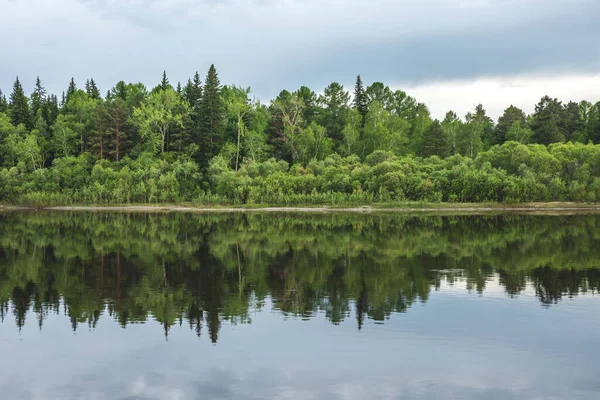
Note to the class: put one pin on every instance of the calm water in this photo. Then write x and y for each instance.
(335, 306)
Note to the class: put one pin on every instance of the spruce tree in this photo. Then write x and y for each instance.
(70, 91)
(210, 117)
(164, 84)
(51, 109)
(435, 141)
(19, 106)
(38, 98)
(178, 87)
(192, 94)
(360, 98)
(3, 103)
(93, 91)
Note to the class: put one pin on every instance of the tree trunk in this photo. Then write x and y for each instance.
(117, 140)
(237, 156)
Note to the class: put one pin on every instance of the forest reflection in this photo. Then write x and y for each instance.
(206, 269)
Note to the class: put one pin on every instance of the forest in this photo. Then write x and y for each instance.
(215, 269)
(207, 143)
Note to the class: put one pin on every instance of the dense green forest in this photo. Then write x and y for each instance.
(210, 269)
(208, 143)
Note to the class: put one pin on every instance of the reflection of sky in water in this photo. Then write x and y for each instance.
(458, 345)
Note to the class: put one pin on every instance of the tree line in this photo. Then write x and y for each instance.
(209, 270)
(206, 142)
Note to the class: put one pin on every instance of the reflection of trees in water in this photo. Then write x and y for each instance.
(208, 268)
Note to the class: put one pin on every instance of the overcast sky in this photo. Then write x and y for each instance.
(450, 54)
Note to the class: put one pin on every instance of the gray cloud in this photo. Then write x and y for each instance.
(271, 45)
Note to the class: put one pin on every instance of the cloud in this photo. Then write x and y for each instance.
(271, 45)
(497, 93)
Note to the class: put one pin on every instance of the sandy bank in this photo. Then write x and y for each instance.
(438, 208)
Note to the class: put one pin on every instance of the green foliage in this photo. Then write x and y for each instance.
(211, 112)
(18, 106)
(334, 151)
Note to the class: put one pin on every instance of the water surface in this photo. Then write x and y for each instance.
(331, 306)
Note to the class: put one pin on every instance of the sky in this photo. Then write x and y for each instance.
(449, 54)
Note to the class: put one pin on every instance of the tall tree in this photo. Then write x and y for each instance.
(38, 98)
(164, 83)
(452, 125)
(192, 94)
(547, 124)
(19, 106)
(238, 106)
(70, 91)
(335, 102)
(287, 111)
(420, 123)
(572, 123)
(436, 141)
(377, 91)
(310, 100)
(470, 141)
(486, 123)
(3, 103)
(51, 110)
(92, 90)
(210, 124)
(117, 114)
(157, 116)
(360, 98)
(506, 121)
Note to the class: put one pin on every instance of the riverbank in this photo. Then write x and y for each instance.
(376, 208)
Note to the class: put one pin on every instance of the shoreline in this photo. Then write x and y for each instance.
(425, 208)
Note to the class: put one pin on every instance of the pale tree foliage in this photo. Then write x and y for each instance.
(519, 133)
(23, 147)
(154, 118)
(351, 133)
(290, 112)
(451, 126)
(66, 136)
(384, 131)
(238, 106)
(313, 143)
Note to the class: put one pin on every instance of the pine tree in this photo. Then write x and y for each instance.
(210, 116)
(178, 87)
(70, 91)
(3, 103)
(164, 84)
(38, 98)
(360, 98)
(51, 110)
(19, 106)
(192, 94)
(92, 90)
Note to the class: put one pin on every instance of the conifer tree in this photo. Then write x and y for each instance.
(435, 141)
(38, 98)
(51, 110)
(70, 91)
(3, 103)
(178, 87)
(360, 98)
(164, 84)
(92, 90)
(210, 116)
(19, 106)
(192, 94)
